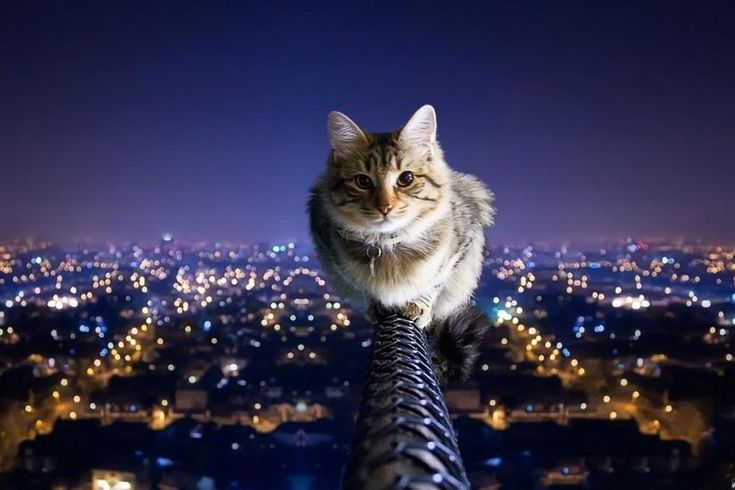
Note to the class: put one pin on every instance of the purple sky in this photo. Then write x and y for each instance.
(124, 120)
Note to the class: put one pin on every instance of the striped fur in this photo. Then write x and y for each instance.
(431, 241)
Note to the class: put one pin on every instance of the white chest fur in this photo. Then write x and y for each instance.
(400, 276)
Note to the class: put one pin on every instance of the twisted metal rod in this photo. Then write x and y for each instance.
(404, 437)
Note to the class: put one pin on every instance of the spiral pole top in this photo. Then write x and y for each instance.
(404, 437)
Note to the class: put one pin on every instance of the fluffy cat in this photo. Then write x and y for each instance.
(398, 231)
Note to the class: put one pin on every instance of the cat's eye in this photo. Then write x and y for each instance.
(405, 179)
(363, 181)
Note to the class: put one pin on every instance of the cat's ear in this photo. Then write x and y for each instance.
(344, 135)
(421, 128)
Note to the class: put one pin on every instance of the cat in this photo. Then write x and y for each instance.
(397, 231)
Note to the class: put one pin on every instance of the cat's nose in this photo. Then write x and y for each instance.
(384, 208)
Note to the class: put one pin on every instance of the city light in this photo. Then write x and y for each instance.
(221, 320)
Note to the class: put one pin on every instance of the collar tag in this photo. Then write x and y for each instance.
(373, 252)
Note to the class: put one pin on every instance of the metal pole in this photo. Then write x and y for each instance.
(404, 437)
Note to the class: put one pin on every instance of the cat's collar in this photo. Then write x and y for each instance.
(379, 240)
(374, 243)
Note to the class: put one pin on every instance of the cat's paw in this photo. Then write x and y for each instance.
(417, 313)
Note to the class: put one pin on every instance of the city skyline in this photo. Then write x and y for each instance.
(237, 366)
(132, 120)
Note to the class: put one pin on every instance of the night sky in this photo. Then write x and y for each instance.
(124, 120)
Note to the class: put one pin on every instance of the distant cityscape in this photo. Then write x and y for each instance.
(220, 365)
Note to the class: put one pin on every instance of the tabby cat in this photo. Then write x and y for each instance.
(398, 231)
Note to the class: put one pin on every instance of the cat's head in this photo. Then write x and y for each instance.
(381, 182)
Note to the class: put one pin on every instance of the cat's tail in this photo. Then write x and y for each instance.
(456, 343)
